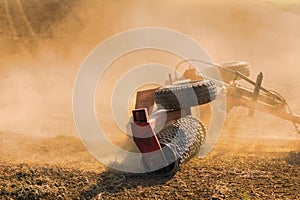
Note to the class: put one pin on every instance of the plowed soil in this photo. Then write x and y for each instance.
(61, 168)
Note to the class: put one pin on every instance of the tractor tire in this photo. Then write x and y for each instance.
(186, 95)
(182, 140)
(227, 70)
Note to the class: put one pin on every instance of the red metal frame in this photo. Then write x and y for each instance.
(146, 140)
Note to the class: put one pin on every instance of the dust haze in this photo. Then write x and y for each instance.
(39, 59)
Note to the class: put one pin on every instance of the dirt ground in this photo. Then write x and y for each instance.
(61, 168)
(42, 45)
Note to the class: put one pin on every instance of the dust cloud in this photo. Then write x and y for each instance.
(38, 72)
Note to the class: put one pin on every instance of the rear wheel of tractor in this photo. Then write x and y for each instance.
(184, 137)
(228, 70)
(180, 96)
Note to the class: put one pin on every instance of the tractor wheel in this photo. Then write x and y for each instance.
(181, 141)
(228, 70)
(186, 95)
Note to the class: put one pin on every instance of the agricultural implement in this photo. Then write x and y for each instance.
(171, 135)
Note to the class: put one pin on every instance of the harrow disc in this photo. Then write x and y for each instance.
(182, 139)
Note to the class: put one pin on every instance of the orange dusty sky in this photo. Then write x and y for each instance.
(40, 57)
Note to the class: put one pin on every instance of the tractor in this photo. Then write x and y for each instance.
(171, 135)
